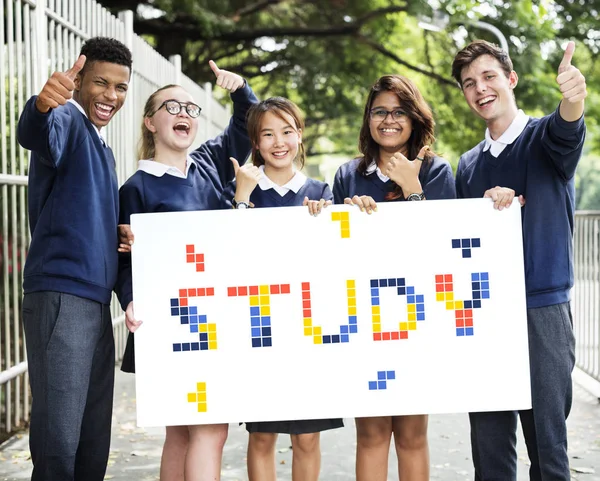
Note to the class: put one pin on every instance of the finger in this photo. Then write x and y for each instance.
(305, 202)
(356, 200)
(422, 152)
(236, 165)
(213, 66)
(370, 204)
(328, 203)
(565, 63)
(320, 206)
(61, 85)
(348, 200)
(522, 200)
(76, 68)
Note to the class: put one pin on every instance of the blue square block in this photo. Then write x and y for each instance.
(401, 291)
(185, 346)
(176, 347)
(344, 329)
(476, 295)
(391, 282)
(256, 342)
(410, 290)
(485, 285)
(267, 342)
(345, 338)
(381, 375)
(401, 281)
(372, 385)
(420, 307)
(353, 328)
(485, 294)
(174, 311)
(460, 331)
(194, 328)
(476, 304)
(204, 346)
(420, 316)
(202, 318)
(484, 276)
(466, 253)
(374, 283)
(193, 310)
(381, 385)
(475, 242)
(266, 321)
(255, 321)
(468, 304)
(420, 298)
(469, 331)
(195, 346)
(391, 375)
(465, 243)
(183, 311)
(327, 339)
(185, 320)
(475, 276)
(374, 301)
(175, 302)
(374, 292)
(455, 243)
(383, 283)
(193, 319)
(475, 286)
(255, 311)
(255, 332)
(352, 319)
(410, 299)
(335, 338)
(204, 336)
(266, 332)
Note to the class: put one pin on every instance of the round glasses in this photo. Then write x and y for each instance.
(380, 115)
(174, 107)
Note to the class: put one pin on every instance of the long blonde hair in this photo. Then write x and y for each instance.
(146, 147)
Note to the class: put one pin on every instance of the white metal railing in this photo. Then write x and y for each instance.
(38, 37)
(586, 293)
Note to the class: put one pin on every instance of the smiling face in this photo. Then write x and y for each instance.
(488, 90)
(101, 89)
(279, 140)
(173, 132)
(393, 132)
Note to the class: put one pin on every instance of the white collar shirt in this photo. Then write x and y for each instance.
(508, 137)
(294, 184)
(373, 168)
(158, 169)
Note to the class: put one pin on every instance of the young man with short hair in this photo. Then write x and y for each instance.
(535, 159)
(71, 266)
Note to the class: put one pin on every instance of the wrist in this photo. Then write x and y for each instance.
(412, 188)
(41, 107)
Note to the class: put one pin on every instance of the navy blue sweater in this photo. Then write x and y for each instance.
(73, 204)
(313, 189)
(540, 164)
(210, 170)
(435, 176)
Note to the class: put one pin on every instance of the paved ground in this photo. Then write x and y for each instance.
(135, 453)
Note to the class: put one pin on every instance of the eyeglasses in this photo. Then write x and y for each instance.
(174, 107)
(380, 115)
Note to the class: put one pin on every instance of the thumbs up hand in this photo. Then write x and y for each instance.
(225, 79)
(247, 178)
(59, 87)
(572, 86)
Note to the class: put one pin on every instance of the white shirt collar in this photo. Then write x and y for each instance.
(373, 168)
(294, 184)
(508, 137)
(100, 132)
(158, 169)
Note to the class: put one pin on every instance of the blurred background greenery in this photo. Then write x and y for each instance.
(325, 54)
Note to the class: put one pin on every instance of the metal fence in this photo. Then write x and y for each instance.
(38, 37)
(586, 293)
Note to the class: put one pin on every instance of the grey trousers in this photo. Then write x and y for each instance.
(493, 434)
(70, 352)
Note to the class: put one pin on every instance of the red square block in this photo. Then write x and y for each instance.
(210, 291)
(192, 292)
(403, 334)
(395, 335)
(182, 292)
(190, 258)
(469, 322)
(189, 248)
(439, 278)
(232, 291)
(253, 290)
(386, 336)
(377, 336)
(306, 304)
(306, 286)
(449, 287)
(439, 288)
(460, 323)
(183, 301)
(306, 295)
(448, 278)
(243, 291)
(306, 313)
(200, 267)
(460, 314)
(201, 292)
(274, 289)
(199, 257)
(285, 288)
(469, 313)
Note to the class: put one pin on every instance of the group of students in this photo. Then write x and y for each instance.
(72, 266)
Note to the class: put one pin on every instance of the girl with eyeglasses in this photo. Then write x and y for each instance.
(396, 164)
(169, 179)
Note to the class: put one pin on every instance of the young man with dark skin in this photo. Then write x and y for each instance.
(535, 159)
(71, 266)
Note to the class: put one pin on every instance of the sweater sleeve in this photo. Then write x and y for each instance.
(327, 194)
(46, 134)
(233, 141)
(440, 181)
(563, 142)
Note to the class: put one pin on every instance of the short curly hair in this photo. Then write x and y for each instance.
(105, 49)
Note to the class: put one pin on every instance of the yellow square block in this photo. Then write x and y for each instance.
(449, 296)
(352, 311)
(307, 322)
(336, 216)
(411, 308)
(351, 292)
(264, 300)
(412, 316)
(254, 300)
(308, 331)
(212, 345)
(192, 397)
(459, 304)
(350, 284)
(404, 326)
(200, 386)
(440, 296)
(376, 318)
(201, 397)
(317, 330)
(375, 310)
(345, 233)
(212, 336)
(263, 289)
(412, 326)
(203, 327)
(352, 302)
(265, 311)
(202, 407)
(345, 215)
(318, 339)
(212, 328)
(376, 327)
(450, 305)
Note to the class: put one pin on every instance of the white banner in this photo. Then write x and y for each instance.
(272, 314)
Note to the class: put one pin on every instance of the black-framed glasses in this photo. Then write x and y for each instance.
(174, 107)
(380, 115)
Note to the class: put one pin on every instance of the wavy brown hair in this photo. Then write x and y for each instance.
(277, 106)
(423, 125)
(146, 148)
